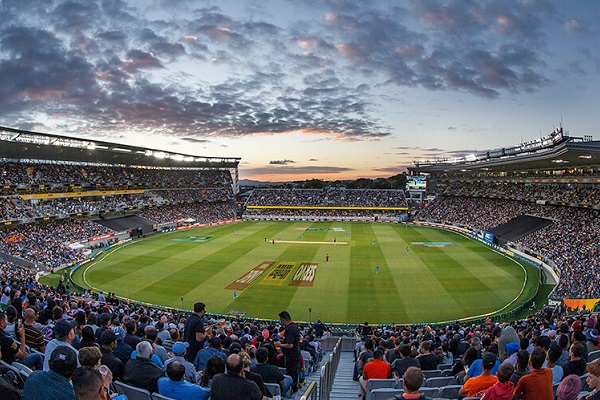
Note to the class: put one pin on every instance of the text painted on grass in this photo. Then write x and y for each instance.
(245, 281)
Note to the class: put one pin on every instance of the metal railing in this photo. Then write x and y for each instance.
(328, 371)
(311, 392)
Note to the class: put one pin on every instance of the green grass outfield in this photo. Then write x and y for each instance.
(444, 276)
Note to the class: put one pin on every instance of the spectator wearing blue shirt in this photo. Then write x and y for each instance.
(213, 349)
(175, 387)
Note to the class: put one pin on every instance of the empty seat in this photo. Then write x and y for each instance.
(449, 392)
(440, 381)
(132, 392)
(434, 373)
(385, 393)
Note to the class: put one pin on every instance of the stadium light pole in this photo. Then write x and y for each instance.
(182, 302)
(310, 315)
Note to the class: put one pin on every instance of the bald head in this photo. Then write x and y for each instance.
(29, 315)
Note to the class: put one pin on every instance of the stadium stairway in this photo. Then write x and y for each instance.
(343, 385)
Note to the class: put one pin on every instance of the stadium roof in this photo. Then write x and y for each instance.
(555, 151)
(17, 144)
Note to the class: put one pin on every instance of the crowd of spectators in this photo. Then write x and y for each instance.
(16, 208)
(141, 346)
(319, 214)
(203, 213)
(572, 241)
(332, 197)
(47, 243)
(23, 175)
(582, 194)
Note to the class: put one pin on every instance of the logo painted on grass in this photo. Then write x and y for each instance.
(305, 276)
(279, 273)
(432, 244)
(194, 239)
(245, 281)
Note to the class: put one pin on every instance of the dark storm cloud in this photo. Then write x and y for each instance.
(483, 48)
(194, 140)
(107, 64)
(282, 162)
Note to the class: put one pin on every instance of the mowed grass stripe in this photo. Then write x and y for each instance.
(470, 292)
(347, 290)
(195, 278)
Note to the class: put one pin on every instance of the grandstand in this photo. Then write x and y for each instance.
(50, 182)
(63, 199)
(540, 197)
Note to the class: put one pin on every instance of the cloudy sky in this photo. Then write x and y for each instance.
(302, 89)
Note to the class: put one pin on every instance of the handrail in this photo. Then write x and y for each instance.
(311, 392)
(328, 371)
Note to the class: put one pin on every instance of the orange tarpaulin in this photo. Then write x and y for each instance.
(578, 303)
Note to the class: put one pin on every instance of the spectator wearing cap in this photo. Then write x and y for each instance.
(174, 386)
(412, 379)
(123, 350)
(53, 384)
(476, 386)
(179, 350)
(512, 348)
(503, 389)
(576, 364)
(141, 372)
(213, 349)
(537, 384)
(476, 368)
(591, 336)
(64, 337)
(109, 343)
(569, 388)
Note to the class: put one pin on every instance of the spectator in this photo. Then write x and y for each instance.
(64, 337)
(233, 385)
(109, 343)
(33, 337)
(503, 389)
(141, 371)
(477, 385)
(194, 332)
(576, 364)
(593, 380)
(11, 351)
(569, 388)
(213, 349)
(411, 382)
(53, 384)
(214, 366)
(179, 349)
(270, 373)
(427, 359)
(537, 384)
(290, 347)
(176, 387)
(376, 369)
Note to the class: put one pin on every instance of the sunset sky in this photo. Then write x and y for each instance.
(303, 89)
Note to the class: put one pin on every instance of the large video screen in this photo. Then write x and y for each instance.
(416, 182)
